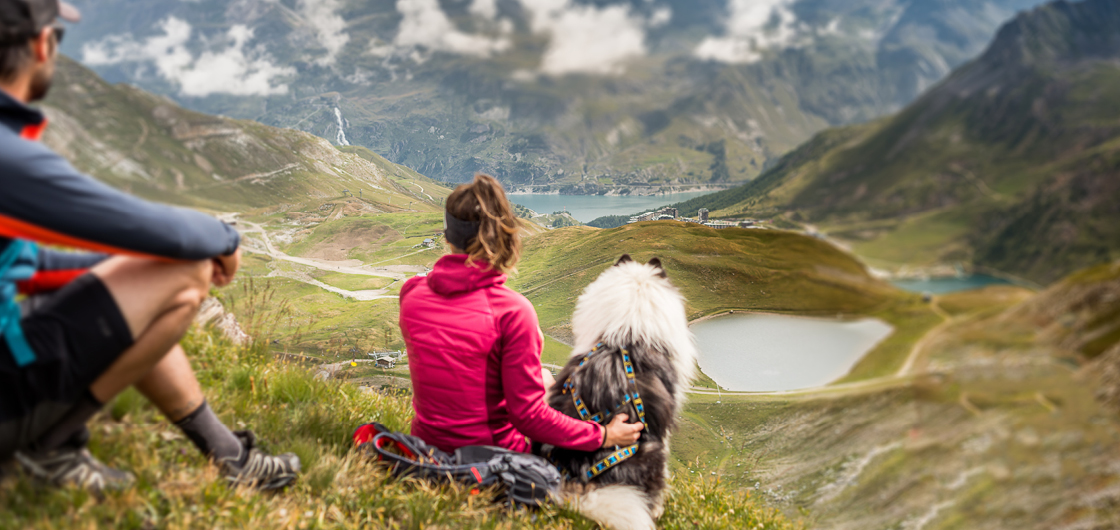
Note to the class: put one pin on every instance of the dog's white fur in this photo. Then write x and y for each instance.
(630, 303)
(616, 507)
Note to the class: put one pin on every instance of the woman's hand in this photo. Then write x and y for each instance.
(618, 432)
(546, 377)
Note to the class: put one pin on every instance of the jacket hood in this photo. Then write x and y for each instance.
(452, 276)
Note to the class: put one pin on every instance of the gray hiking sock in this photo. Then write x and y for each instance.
(70, 430)
(209, 434)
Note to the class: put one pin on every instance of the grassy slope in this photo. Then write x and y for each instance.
(1080, 313)
(963, 448)
(291, 411)
(386, 239)
(724, 270)
(307, 320)
(716, 270)
(1011, 162)
(149, 146)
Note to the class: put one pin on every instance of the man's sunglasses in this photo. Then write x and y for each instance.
(59, 32)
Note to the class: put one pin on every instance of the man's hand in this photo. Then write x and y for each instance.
(225, 267)
(621, 433)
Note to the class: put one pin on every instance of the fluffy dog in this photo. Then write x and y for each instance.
(633, 307)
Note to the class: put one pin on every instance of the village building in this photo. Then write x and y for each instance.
(720, 225)
(664, 214)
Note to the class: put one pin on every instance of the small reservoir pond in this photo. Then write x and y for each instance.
(587, 208)
(950, 284)
(756, 353)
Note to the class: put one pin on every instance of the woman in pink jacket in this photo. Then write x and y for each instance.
(474, 344)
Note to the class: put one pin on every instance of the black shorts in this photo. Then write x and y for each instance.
(76, 333)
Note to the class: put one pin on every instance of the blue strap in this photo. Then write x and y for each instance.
(13, 335)
(9, 309)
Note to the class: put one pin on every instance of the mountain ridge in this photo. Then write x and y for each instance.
(953, 177)
(183, 157)
(450, 115)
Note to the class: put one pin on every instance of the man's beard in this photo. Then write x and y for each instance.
(41, 84)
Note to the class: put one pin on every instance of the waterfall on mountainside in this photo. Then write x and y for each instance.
(341, 138)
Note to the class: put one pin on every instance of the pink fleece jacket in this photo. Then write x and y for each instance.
(474, 353)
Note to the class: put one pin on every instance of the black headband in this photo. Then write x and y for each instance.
(459, 232)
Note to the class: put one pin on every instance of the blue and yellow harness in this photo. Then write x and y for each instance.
(632, 397)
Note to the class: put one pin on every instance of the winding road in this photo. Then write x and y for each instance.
(318, 264)
(271, 251)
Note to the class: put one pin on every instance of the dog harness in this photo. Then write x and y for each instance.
(632, 397)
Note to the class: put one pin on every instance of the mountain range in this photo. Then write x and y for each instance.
(576, 96)
(149, 146)
(1012, 163)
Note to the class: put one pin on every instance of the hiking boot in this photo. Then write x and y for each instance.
(73, 466)
(257, 469)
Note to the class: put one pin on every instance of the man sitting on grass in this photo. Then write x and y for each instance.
(94, 325)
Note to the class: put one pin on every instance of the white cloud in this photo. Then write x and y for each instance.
(230, 70)
(662, 16)
(485, 8)
(585, 38)
(425, 26)
(753, 26)
(330, 28)
(582, 38)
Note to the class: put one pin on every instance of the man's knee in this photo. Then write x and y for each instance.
(145, 289)
(196, 284)
(200, 273)
(169, 275)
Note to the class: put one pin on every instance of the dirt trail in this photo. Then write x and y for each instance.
(362, 296)
(920, 347)
(318, 264)
(422, 192)
(252, 176)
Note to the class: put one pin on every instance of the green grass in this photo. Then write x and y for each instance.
(716, 270)
(382, 239)
(986, 299)
(923, 240)
(555, 352)
(352, 282)
(291, 411)
(911, 322)
(307, 320)
(722, 270)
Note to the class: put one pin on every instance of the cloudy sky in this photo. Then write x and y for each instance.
(581, 39)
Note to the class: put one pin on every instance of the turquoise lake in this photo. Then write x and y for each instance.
(586, 208)
(951, 284)
(758, 353)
